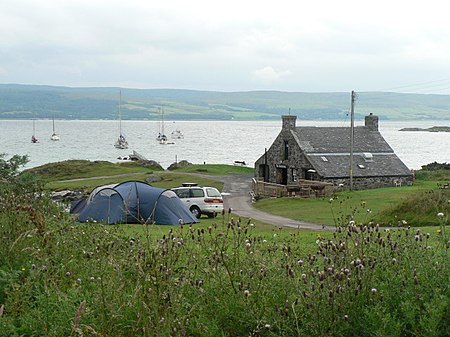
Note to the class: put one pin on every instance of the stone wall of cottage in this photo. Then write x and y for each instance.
(296, 163)
(365, 183)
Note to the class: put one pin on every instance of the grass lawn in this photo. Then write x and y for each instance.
(72, 169)
(168, 180)
(362, 206)
(215, 169)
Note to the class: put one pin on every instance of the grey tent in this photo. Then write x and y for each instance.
(133, 202)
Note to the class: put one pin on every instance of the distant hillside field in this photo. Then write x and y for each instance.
(38, 101)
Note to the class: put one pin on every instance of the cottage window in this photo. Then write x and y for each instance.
(286, 150)
(368, 157)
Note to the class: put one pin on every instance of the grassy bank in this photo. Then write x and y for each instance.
(417, 204)
(215, 169)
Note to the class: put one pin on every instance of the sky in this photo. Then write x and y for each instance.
(286, 45)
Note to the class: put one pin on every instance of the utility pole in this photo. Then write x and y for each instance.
(352, 137)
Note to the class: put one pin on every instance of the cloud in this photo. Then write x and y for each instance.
(268, 75)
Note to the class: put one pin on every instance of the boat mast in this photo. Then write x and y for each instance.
(352, 137)
(120, 112)
(53, 122)
(162, 120)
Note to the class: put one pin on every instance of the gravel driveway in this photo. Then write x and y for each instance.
(237, 196)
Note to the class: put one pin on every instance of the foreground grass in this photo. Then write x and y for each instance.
(222, 277)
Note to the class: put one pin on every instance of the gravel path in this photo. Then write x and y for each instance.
(237, 196)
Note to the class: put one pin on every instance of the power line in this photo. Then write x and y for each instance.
(435, 85)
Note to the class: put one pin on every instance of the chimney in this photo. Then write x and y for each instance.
(371, 121)
(288, 122)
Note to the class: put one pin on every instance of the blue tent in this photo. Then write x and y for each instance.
(134, 202)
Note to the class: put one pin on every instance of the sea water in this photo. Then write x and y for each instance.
(211, 142)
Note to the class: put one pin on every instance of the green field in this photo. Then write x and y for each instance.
(417, 204)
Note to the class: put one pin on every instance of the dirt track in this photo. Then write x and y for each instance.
(240, 201)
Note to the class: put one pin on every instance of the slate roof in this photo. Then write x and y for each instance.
(337, 140)
(333, 144)
(337, 166)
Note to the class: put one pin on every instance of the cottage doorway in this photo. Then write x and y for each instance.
(264, 172)
(282, 176)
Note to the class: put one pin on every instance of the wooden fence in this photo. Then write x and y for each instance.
(302, 188)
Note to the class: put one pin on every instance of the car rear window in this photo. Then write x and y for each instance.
(182, 193)
(213, 192)
(197, 193)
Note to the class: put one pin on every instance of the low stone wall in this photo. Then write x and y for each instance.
(372, 182)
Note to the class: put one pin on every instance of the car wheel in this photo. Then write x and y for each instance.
(196, 212)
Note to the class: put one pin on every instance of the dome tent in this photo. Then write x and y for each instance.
(134, 202)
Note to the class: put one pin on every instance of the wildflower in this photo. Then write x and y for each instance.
(267, 326)
(68, 273)
(23, 268)
(246, 293)
(300, 262)
(252, 225)
(346, 317)
(394, 260)
(331, 200)
(417, 237)
(374, 291)
(303, 276)
(264, 241)
(440, 215)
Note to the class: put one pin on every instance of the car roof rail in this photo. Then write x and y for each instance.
(189, 184)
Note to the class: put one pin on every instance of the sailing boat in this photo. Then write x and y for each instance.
(33, 137)
(162, 138)
(121, 142)
(54, 135)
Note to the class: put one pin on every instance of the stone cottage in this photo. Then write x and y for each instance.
(323, 154)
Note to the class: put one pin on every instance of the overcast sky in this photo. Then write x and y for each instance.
(312, 46)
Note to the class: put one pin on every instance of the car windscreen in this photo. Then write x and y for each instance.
(213, 192)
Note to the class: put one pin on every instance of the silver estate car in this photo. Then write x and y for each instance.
(200, 200)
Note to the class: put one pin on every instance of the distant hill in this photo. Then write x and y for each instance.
(39, 101)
